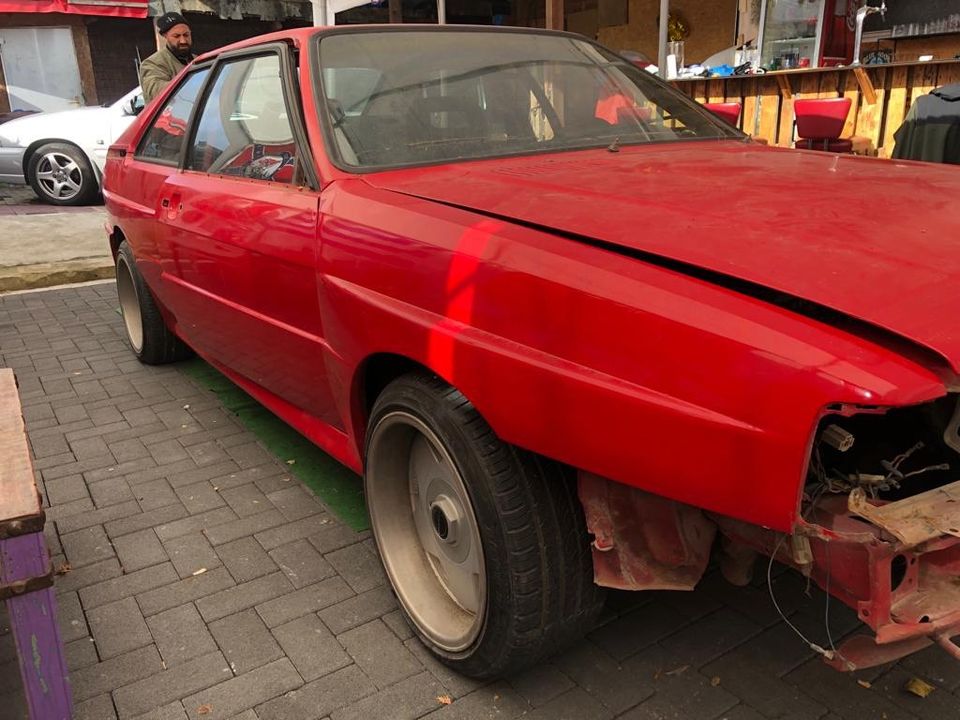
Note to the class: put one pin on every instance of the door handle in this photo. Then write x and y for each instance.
(165, 203)
(171, 205)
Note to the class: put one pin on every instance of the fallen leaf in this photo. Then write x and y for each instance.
(204, 709)
(678, 671)
(291, 462)
(864, 683)
(918, 687)
(715, 680)
(444, 699)
(186, 407)
(201, 571)
(64, 568)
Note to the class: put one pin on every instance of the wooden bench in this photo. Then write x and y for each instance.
(26, 575)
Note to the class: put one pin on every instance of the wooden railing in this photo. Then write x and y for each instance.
(881, 95)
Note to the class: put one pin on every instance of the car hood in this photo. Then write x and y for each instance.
(67, 124)
(873, 239)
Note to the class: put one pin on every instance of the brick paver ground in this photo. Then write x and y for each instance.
(21, 200)
(211, 585)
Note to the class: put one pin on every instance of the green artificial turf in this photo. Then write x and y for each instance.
(341, 489)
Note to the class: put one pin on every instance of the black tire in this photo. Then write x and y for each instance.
(60, 174)
(148, 335)
(538, 588)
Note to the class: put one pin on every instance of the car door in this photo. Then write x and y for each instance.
(241, 223)
(142, 177)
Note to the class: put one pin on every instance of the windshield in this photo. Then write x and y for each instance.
(396, 98)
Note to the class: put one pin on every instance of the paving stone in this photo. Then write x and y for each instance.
(496, 702)
(358, 609)
(199, 497)
(406, 700)
(379, 653)
(311, 647)
(118, 628)
(934, 666)
(159, 518)
(98, 708)
(127, 585)
(67, 489)
(334, 536)
(88, 575)
(291, 532)
(320, 697)
(207, 453)
(841, 693)
(135, 469)
(246, 559)
(46, 463)
(72, 621)
(195, 523)
(249, 454)
(457, 685)
(245, 641)
(196, 474)
(304, 601)
(301, 563)
(139, 550)
(241, 597)
(70, 414)
(184, 591)
(110, 492)
(541, 683)
(227, 532)
(80, 654)
(603, 677)
(154, 494)
(294, 502)
(58, 513)
(575, 704)
(90, 517)
(636, 630)
(167, 451)
(710, 637)
(191, 554)
(181, 635)
(358, 566)
(115, 672)
(163, 687)
(172, 711)
(246, 500)
(398, 622)
(130, 449)
(90, 448)
(86, 546)
(245, 691)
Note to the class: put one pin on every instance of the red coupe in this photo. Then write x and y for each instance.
(569, 342)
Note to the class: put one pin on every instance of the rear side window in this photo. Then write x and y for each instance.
(167, 134)
(244, 129)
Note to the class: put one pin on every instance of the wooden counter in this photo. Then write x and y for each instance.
(881, 95)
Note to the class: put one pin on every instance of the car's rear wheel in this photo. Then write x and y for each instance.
(60, 174)
(150, 339)
(483, 543)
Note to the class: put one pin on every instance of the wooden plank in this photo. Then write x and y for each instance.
(896, 109)
(851, 89)
(870, 117)
(829, 85)
(748, 114)
(785, 132)
(715, 91)
(700, 91)
(948, 74)
(769, 97)
(785, 88)
(866, 85)
(925, 80)
(19, 500)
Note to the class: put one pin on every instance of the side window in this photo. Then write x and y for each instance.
(164, 140)
(244, 130)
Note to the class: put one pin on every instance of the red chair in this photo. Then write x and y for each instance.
(728, 111)
(820, 122)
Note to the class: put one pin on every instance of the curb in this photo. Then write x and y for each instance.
(30, 277)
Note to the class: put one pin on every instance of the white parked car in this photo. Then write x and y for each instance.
(62, 154)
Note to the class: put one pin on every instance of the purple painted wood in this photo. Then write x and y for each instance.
(33, 622)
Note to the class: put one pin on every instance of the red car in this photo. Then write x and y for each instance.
(568, 345)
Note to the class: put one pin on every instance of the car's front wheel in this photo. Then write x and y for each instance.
(60, 174)
(484, 544)
(150, 339)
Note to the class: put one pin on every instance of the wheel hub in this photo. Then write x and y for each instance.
(446, 520)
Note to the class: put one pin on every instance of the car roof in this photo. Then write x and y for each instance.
(300, 36)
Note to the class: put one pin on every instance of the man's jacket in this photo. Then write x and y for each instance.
(931, 130)
(158, 70)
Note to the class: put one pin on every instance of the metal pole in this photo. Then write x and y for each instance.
(441, 12)
(664, 20)
(319, 12)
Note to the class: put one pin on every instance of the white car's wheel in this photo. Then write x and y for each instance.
(60, 174)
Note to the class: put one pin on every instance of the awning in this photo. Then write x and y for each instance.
(113, 8)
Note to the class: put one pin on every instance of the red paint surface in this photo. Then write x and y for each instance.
(613, 364)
